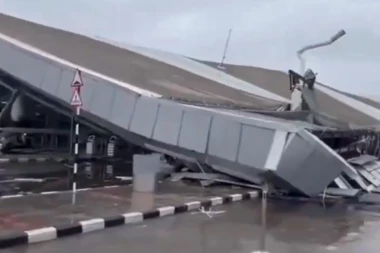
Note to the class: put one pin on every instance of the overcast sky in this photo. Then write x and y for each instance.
(266, 33)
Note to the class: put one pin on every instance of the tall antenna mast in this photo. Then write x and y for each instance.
(221, 65)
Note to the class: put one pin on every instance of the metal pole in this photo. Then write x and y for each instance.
(76, 154)
(300, 52)
(76, 148)
(296, 96)
(77, 102)
(225, 50)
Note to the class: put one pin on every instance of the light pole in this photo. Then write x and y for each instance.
(296, 96)
(334, 38)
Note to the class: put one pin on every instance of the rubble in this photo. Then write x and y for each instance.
(238, 133)
(356, 150)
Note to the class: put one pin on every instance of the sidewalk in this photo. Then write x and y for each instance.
(31, 212)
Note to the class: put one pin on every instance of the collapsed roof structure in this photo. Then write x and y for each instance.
(227, 124)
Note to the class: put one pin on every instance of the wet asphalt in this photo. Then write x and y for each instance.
(291, 227)
(20, 178)
(45, 210)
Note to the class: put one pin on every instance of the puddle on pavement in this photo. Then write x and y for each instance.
(307, 227)
(21, 178)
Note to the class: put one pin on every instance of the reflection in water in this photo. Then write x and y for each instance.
(264, 200)
(316, 225)
(282, 227)
(142, 200)
(333, 223)
(58, 177)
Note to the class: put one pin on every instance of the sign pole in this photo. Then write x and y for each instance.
(76, 147)
(76, 101)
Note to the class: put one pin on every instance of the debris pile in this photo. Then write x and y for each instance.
(353, 151)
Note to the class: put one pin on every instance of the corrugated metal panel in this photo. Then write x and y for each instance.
(200, 69)
(278, 82)
(342, 183)
(376, 174)
(129, 67)
(353, 103)
(342, 192)
(372, 166)
(369, 177)
(363, 159)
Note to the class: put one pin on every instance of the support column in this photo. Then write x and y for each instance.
(5, 113)
(147, 170)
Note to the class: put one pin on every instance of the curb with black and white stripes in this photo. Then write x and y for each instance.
(32, 160)
(25, 194)
(24, 159)
(52, 233)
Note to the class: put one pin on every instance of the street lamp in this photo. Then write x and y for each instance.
(334, 38)
(296, 95)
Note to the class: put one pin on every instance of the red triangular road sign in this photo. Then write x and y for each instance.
(76, 100)
(77, 82)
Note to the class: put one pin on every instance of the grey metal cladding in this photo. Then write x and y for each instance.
(52, 78)
(296, 152)
(255, 144)
(123, 107)
(102, 98)
(9, 57)
(31, 69)
(144, 116)
(342, 183)
(277, 147)
(362, 159)
(308, 164)
(194, 130)
(370, 177)
(376, 174)
(168, 123)
(371, 166)
(5, 54)
(87, 91)
(64, 90)
(22, 64)
(342, 192)
(317, 172)
(150, 163)
(224, 138)
(240, 171)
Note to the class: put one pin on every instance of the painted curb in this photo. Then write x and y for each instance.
(28, 194)
(52, 233)
(25, 159)
(31, 160)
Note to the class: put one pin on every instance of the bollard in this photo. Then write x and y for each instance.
(145, 168)
(145, 182)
